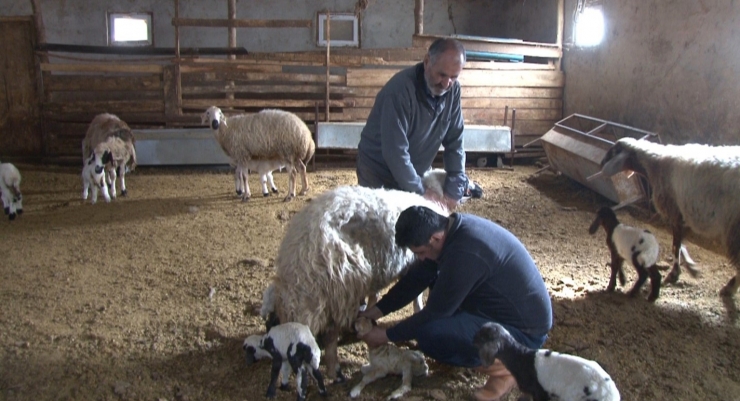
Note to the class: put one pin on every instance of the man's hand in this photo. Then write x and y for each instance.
(372, 313)
(375, 337)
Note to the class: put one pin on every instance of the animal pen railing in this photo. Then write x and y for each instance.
(164, 92)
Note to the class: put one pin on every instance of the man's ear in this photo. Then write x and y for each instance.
(437, 237)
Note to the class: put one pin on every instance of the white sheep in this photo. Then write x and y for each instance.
(93, 176)
(292, 343)
(262, 167)
(103, 127)
(115, 155)
(267, 135)
(336, 251)
(544, 374)
(639, 246)
(693, 186)
(10, 190)
(388, 359)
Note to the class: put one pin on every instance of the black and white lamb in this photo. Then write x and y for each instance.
(10, 190)
(262, 167)
(543, 374)
(288, 344)
(388, 359)
(693, 186)
(93, 177)
(103, 128)
(639, 246)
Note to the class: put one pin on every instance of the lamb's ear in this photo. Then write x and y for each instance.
(107, 157)
(594, 225)
(204, 117)
(223, 120)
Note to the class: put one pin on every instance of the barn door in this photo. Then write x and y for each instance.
(20, 123)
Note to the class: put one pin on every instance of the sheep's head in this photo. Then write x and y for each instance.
(363, 326)
(252, 348)
(620, 157)
(419, 365)
(605, 216)
(214, 117)
(489, 340)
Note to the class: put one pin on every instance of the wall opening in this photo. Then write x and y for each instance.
(343, 31)
(130, 29)
(589, 27)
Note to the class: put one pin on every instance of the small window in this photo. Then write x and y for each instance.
(130, 29)
(589, 27)
(343, 31)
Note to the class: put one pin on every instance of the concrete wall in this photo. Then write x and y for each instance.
(665, 66)
(385, 23)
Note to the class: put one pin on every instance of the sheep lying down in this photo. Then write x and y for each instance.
(544, 374)
(389, 359)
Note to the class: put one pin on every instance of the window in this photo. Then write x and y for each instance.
(589, 27)
(343, 31)
(130, 29)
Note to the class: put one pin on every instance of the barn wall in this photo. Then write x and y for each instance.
(664, 66)
(385, 24)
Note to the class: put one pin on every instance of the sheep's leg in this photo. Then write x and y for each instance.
(245, 181)
(238, 180)
(103, 188)
(654, 283)
(291, 184)
(122, 175)
(330, 340)
(316, 373)
(304, 180)
(112, 182)
(406, 377)
(688, 262)
(301, 383)
(285, 376)
(263, 182)
(94, 194)
(277, 364)
(672, 277)
(642, 275)
(272, 182)
(367, 378)
(85, 189)
(733, 245)
(616, 266)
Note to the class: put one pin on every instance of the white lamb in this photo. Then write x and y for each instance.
(268, 135)
(693, 186)
(93, 176)
(336, 251)
(10, 190)
(289, 343)
(389, 359)
(544, 374)
(262, 167)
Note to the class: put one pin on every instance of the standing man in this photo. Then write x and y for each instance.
(417, 111)
(477, 272)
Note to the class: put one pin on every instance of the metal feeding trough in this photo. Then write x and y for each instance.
(575, 147)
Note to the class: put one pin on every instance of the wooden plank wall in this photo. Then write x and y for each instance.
(174, 94)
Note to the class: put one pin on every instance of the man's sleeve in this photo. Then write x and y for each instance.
(394, 126)
(454, 154)
(419, 276)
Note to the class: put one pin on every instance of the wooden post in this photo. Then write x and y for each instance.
(559, 40)
(177, 75)
(232, 41)
(328, 60)
(177, 31)
(419, 17)
(43, 58)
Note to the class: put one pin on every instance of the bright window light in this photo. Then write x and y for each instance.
(130, 29)
(590, 27)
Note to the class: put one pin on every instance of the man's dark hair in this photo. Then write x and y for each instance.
(416, 225)
(442, 45)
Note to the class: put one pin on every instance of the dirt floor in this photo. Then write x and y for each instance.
(150, 297)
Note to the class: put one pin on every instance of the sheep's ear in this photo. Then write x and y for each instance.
(107, 157)
(615, 164)
(204, 118)
(223, 119)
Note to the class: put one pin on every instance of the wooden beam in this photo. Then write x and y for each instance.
(262, 77)
(262, 103)
(113, 106)
(532, 49)
(57, 83)
(241, 23)
(378, 77)
(419, 17)
(102, 67)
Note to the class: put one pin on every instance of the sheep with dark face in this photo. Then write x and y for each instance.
(288, 344)
(543, 374)
(693, 186)
(638, 246)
